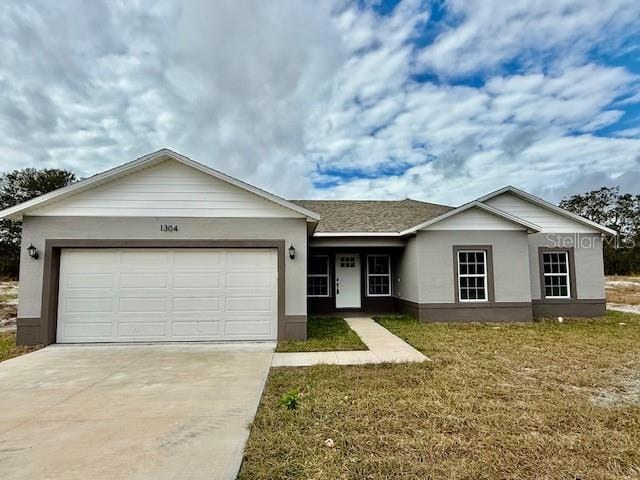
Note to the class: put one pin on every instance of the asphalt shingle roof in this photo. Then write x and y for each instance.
(371, 216)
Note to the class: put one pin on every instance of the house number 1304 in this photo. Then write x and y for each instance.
(168, 228)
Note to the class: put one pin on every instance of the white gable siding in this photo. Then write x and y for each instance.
(169, 189)
(474, 219)
(549, 221)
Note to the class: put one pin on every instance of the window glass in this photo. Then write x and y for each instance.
(472, 275)
(379, 275)
(556, 274)
(318, 276)
(318, 265)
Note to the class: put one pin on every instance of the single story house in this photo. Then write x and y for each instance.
(166, 249)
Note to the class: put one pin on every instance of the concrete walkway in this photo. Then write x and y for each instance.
(384, 347)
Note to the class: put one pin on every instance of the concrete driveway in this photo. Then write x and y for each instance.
(129, 412)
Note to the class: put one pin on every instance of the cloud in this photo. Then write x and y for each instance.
(327, 100)
(488, 33)
(245, 84)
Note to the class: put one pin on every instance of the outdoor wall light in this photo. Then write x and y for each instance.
(33, 252)
(292, 252)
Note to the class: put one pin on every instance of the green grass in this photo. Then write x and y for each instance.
(537, 401)
(9, 349)
(324, 334)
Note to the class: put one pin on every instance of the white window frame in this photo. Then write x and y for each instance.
(379, 275)
(484, 275)
(567, 274)
(320, 275)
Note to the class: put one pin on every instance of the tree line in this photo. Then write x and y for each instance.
(606, 206)
(620, 212)
(16, 187)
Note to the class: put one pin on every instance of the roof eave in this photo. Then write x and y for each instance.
(528, 226)
(548, 206)
(357, 234)
(17, 211)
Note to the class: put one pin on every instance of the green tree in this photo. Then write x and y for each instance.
(16, 187)
(620, 212)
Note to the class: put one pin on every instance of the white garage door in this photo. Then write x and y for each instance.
(131, 295)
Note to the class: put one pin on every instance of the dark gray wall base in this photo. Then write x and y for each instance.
(408, 307)
(455, 312)
(570, 308)
(501, 311)
(29, 331)
(295, 327)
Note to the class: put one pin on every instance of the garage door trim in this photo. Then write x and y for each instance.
(51, 276)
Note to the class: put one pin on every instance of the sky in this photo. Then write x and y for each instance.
(441, 101)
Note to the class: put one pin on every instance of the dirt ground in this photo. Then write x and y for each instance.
(8, 305)
(623, 293)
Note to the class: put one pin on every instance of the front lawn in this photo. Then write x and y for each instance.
(324, 334)
(538, 400)
(9, 349)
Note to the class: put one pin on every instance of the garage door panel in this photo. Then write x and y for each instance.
(90, 331)
(196, 304)
(193, 260)
(196, 280)
(106, 317)
(193, 328)
(87, 261)
(145, 330)
(249, 304)
(249, 258)
(144, 280)
(243, 328)
(143, 304)
(249, 280)
(167, 294)
(132, 260)
(89, 280)
(88, 305)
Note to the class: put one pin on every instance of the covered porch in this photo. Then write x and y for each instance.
(352, 280)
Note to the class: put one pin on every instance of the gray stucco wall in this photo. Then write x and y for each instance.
(435, 264)
(589, 263)
(407, 272)
(37, 229)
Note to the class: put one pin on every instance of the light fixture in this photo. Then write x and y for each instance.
(33, 252)
(292, 252)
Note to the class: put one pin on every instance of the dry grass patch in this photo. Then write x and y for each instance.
(497, 401)
(324, 334)
(9, 349)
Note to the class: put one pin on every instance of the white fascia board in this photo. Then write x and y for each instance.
(475, 204)
(17, 211)
(546, 205)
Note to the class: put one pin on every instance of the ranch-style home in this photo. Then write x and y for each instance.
(166, 249)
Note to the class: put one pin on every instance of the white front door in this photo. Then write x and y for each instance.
(347, 280)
